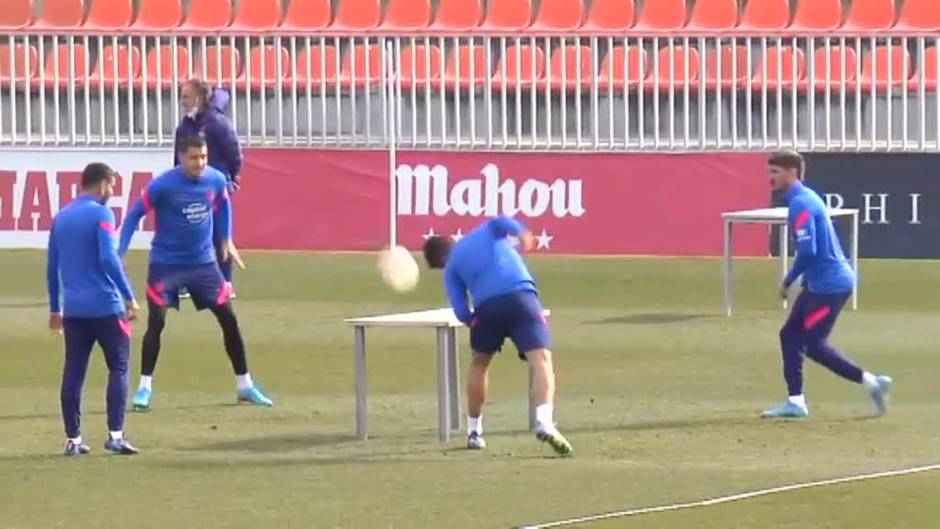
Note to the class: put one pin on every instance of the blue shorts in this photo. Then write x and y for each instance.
(517, 316)
(205, 284)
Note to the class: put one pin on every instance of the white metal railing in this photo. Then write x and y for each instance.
(672, 93)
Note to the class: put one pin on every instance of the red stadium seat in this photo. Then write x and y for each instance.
(318, 65)
(156, 15)
(831, 64)
(208, 15)
(80, 67)
(558, 15)
(661, 15)
(357, 15)
(270, 56)
(624, 68)
(354, 70)
(870, 15)
(780, 62)
(520, 72)
(164, 61)
(110, 14)
(765, 15)
(919, 15)
(928, 71)
(60, 14)
(415, 68)
(309, 15)
(257, 15)
(407, 15)
(508, 15)
(733, 68)
(673, 72)
(714, 15)
(577, 71)
(18, 71)
(218, 68)
(119, 62)
(16, 14)
(457, 15)
(817, 16)
(875, 68)
(611, 16)
(466, 67)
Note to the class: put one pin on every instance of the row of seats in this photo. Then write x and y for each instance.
(469, 15)
(524, 65)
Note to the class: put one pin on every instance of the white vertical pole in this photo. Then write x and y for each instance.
(391, 124)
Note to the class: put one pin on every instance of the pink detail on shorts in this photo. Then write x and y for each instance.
(155, 293)
(125, 327)
(224, 294)
(474, 322)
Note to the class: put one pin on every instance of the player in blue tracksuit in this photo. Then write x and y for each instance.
(506, 305)
(189, 202)
(90, 300)
(828, 281)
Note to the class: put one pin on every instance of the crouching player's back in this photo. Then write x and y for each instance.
(486, 264)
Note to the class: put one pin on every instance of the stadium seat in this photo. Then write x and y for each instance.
(253, 72)
(870, 15)
(60, 14)
(558, 15)
(355, 72)
(765, 15)
(466, 68)
(733, 68)
(508, 15)
(522, 72)
(875, 68)
(155, 15)
(256, 15)
(817, 16)
(415, 70)
(309, 15)
(661, 15)
(208, 15)
(919, 15)
(16, 14)
(217, 68)
(112, 63)
(928, 71)
(624, 68)
(407, 15)
(17, 70)
(109, 14)
(613, 16)
(779, 64)
(357, 15)
(831, 63)
(80, 67)
(673, 71)
(457, 15)
(713, 15)
(170, 58)
(577, 71)
(318, 66)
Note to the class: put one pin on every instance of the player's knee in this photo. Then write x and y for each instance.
(481, 360)
(539, 356)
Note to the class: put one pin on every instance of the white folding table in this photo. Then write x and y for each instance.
(778, 216)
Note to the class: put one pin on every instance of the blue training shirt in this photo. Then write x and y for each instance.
(486, 263)
(819, 257)
(186, 211)
(83, 263)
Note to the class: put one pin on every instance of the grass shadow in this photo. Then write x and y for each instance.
(276, 443)
(651, 318)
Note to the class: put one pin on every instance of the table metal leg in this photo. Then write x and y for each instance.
(443, 406)
(727, 266)
(362, 427)
(784, 255)
(855, 259)
(453, 373)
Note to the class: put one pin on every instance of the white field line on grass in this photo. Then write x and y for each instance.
(731, 498)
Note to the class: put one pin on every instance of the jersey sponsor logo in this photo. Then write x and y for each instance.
(802, 234)
(196, 212)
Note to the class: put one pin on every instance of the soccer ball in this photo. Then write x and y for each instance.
(398, 268)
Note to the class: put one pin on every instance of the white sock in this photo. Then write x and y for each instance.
(799, 400)
(544, 417)
(118, 435)
(244, 381)
(869, 381)
(75, 440)
(146, 382)
(475, 424)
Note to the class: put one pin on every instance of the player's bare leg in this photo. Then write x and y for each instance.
(478, 381)
(543, 396)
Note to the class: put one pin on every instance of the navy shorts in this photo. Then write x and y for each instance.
(112, 333)
(205, 284)
(815, 314)
(517, 316)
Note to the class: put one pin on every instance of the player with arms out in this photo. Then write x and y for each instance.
(96, 306)
(189, 201)
(828, 281)
(506, 305)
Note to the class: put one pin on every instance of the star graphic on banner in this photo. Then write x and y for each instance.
(543, 240)
(457, 236)
(429, 234)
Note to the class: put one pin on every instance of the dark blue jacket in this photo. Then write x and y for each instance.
(225, 154)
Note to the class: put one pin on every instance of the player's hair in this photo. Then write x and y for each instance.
(96, 173)
(191, 142)
(436, 250)
(200, 87)
(788, 159)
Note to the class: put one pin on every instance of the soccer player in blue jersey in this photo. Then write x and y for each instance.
(506, 305)
(90, 300)
(189, 201)
(828, 281)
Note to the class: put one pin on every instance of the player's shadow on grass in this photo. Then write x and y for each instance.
(276, 443)
(650, 318)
